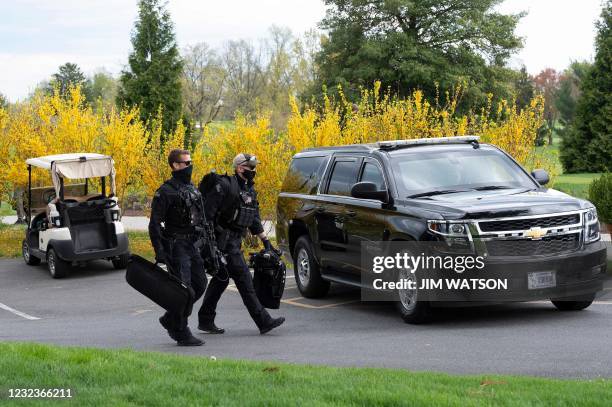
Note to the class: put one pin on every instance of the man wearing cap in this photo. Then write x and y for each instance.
(232, 206)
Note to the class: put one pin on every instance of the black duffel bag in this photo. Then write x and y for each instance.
(165, 289)
(268, 277)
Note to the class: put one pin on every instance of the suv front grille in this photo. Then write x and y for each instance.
(528, 223)
(546, 246)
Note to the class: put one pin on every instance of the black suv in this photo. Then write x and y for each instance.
(335, 198)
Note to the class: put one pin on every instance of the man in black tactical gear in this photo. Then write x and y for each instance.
(232, 206)
(176, 208)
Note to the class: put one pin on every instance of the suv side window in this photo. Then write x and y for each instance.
(343, 177)
(371, 173)
(304, 175)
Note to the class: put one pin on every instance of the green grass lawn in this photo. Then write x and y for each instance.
(125, 377)
(6, 209)
(575, 184)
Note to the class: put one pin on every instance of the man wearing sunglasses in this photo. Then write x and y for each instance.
(176, 209)
(231, 203)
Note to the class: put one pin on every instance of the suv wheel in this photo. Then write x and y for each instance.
(121, 261)
(410, 308)
(573, 303)
(27, 256)
(307, 273)
(58, 268)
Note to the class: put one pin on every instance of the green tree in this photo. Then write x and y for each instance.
(588, 145)
(569, 90)
(3, 101)
(524, 88)
(153, 78)
(408, 44)
(69, 75)
(103, 89)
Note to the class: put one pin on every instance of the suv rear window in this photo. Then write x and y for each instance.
(343, 177)
(304, 175)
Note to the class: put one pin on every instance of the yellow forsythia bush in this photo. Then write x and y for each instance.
(52, 124)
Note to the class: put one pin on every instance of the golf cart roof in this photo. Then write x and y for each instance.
(76, 166)
(45, 162)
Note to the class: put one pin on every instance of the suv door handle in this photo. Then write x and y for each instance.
(351, 214)
(319, 209)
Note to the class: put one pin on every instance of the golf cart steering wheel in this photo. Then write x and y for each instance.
(94, 198)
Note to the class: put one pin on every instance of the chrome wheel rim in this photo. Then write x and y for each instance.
(51, 263)
(26, 251)
(407, 297)
(303, 267)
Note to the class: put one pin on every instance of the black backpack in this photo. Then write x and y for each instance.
(212, 183)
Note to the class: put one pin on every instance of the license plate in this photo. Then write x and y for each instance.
(541, 279)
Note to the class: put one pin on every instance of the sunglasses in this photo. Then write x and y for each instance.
(187, 163)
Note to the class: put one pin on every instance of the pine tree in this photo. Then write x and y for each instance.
(588, 145)
(152, 81)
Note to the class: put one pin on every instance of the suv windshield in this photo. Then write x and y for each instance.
(432, 172)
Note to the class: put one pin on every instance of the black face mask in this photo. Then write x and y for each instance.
(183, 175)
(249, 174)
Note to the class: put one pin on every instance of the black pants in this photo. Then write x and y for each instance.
(187, 264)
(239, 272)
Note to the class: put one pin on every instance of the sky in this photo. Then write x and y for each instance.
(37, 36)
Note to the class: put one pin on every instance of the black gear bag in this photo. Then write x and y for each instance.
(268, 277)
(166, 290)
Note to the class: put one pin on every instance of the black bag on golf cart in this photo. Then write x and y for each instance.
(268, 277)
(166, 290)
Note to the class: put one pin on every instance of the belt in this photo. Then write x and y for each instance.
(182, 236)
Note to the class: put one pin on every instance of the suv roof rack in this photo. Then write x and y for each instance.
(395, 144)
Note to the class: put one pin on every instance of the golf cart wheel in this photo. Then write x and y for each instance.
(121, 261)
(573, 303)
(307, 273)
(58, 268)
(27, 256)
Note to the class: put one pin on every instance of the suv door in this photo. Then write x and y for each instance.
(330, 212)
(365, 218)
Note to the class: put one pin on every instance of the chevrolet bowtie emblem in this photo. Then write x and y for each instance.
(534, 233)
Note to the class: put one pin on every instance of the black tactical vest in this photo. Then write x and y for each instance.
(187, 210)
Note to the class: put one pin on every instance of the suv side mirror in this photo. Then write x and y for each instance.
(541, 176)
(369, 190)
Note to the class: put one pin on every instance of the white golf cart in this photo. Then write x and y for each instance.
(70, 223)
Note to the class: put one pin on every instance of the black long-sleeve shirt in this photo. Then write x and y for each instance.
(164, 200)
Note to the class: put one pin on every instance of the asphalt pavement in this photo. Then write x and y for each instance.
(95, 307)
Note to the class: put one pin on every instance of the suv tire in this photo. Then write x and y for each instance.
(573, 303)
(306, 269)
(410, 308)
(121, 261)
(27, 256)
(58, 268)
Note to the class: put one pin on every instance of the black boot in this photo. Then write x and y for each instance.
(210, 328)
(163, 320)
(274, 323)
(187, 339)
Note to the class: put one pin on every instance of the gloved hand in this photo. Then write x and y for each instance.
(160, 260)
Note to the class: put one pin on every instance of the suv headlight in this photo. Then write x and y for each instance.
(456, 235)
(591, 226)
